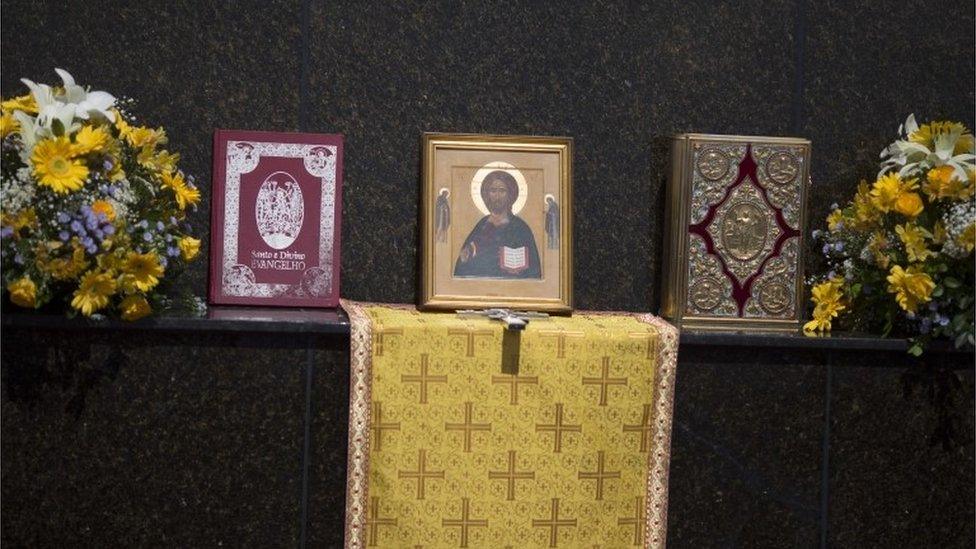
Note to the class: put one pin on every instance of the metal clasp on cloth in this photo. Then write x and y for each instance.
(515, 322)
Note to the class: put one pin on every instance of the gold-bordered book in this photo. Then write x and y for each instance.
(736, 211)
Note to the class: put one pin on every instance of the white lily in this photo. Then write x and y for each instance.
(906, 156)
(87, 102)
(29, 130)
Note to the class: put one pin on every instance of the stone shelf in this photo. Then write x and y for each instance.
(216, 320)
(335, 322)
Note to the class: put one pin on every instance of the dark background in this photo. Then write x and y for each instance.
(197, 441)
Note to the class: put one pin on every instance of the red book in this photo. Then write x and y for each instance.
(275, 216)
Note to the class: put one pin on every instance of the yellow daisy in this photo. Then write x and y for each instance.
(141, 137)
(865, 213)
(913, 237)
(911, 286)
(835, 219)
(134, 307)
(93, 292)
(878, 245)
(61, 268)
(90, 139)
(189, 247)
(24, 103)
(8, 124)
(827, 298)
(888, 189)
(145, 270)
(184, 193)
(56, 167)
(968, 238)
(23, 292)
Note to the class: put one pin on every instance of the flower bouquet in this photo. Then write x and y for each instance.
(92, 209)
(900, 253)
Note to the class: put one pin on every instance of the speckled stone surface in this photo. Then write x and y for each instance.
(888, 486)
(746, 450)
(191, 66)
(618, 78)
(330, 420)
(175, 445)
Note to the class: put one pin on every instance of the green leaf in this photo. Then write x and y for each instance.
(855, 290)
(938, 291)
(951, 283)
(916, 349)
(961, 339)
(57, 127)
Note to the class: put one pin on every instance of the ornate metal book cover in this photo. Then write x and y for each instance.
(275, 219)
(734, 236)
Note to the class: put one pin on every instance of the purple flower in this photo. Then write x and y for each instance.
(99, 234)
(19, 259)
(172, 251)
(826, 249)
(85, 209)
(925, 326)
(76, 227)
(839, 246)
(816, 233)
(64, 236)
(63, 218)
(108, 229)
(942, 320)
(91, 221)
(163, 262)
(832, 274)
(147, 237)
(143, 224)
(160, 226)
(169, 238)
(107, 164)
(6, 231)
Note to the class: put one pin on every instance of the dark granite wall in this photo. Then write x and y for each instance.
(190, 446)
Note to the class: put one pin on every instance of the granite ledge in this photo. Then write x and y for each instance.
(217, 320)
(335, 322)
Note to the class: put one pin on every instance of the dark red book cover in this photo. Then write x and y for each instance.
(275, 216)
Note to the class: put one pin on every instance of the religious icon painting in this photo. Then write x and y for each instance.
(497, 222)
(734, 239)
(275, 219)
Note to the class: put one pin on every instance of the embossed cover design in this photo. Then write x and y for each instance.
(736, 217)
(275, 219)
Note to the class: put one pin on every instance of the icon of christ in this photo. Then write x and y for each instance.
(501, 244)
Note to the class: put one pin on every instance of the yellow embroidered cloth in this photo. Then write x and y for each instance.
(446, 450)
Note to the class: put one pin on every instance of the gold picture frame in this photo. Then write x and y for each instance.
(711, 280)
(496, 219)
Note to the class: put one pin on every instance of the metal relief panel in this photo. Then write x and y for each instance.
(744, 220)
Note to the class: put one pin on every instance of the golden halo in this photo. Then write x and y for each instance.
(480, 175)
